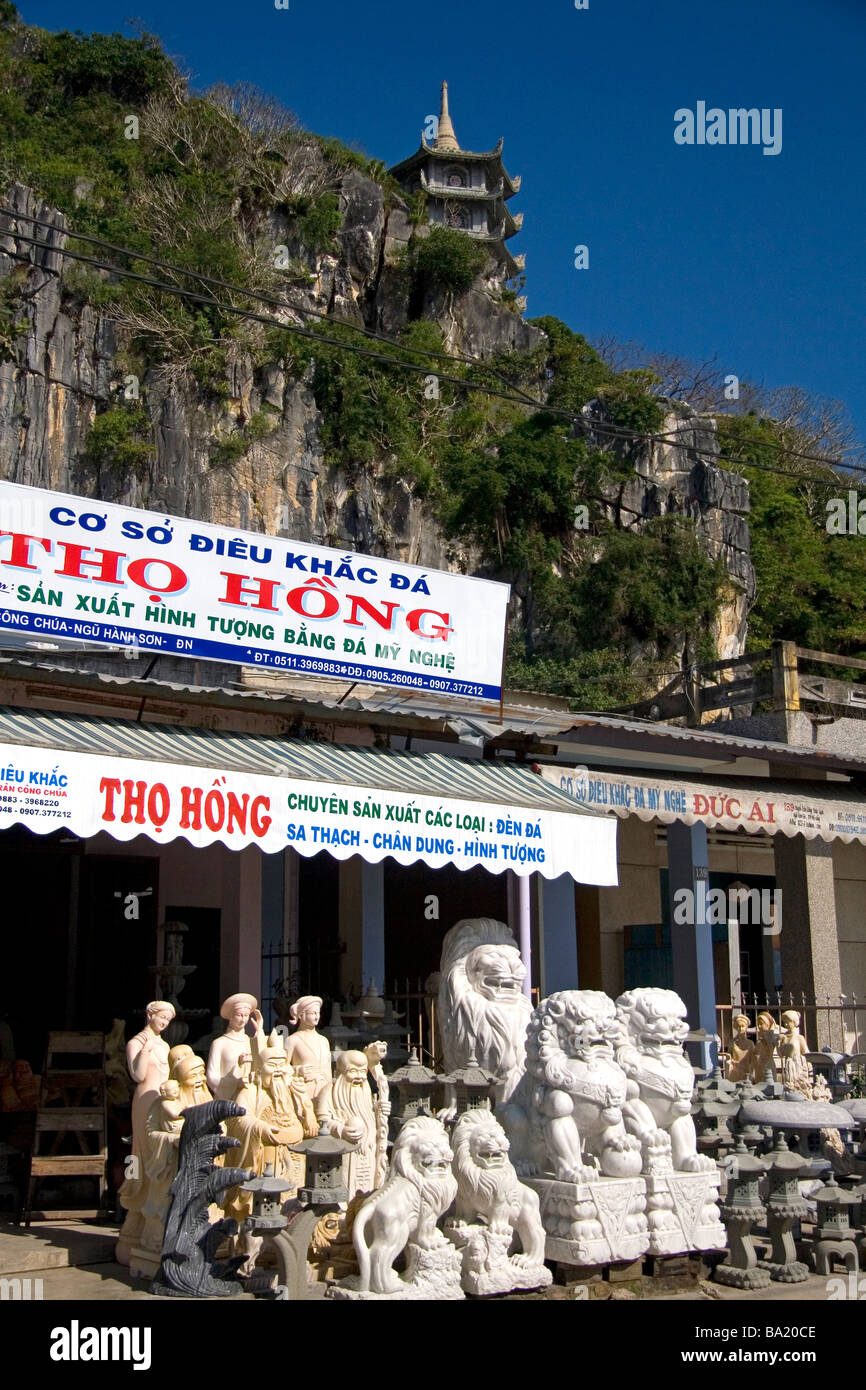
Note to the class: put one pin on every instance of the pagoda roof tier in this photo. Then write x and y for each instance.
(425, 152)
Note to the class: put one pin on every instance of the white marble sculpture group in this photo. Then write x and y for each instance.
(589, 1156)
(595, 1096)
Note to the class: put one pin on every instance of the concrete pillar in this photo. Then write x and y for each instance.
(241, 921)
(558, 931)
(524, 916)
(809, 937)
(362, 924)
(692, 941)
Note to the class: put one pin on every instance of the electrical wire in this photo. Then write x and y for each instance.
(588, 426)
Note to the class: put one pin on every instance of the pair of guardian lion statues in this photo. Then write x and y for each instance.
(584, 1086)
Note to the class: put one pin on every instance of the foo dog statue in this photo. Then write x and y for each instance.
(601, 1128)
(419, 1189)
(483, 1011)
(493, 1206)
(576, 1092)
(659, 1109)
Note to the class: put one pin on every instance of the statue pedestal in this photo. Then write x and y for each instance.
(617, 1220)
(683, 1214)
(486, 1268)
(430, 1274)
(599, 1222)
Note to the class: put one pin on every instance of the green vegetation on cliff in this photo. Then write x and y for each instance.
(104, 128)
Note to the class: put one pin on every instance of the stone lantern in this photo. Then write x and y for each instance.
(834, 1235)
(415, 1084)
(740, 1211)
(323, 1191)
(324, 1187)
(267, 1214)
(471, 1085)
(265, 1222)
(785, 1205)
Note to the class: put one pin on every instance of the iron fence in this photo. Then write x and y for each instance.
(838, 1024)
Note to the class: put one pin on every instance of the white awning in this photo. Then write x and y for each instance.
(127, 779)
(825, 810)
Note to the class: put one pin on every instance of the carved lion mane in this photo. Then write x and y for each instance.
(652, 1017)
(494, 1193)
(408, 1205)
(560, 1029)
(492, 1031)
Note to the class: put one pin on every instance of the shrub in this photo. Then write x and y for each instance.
(115, 441)
(448, 259)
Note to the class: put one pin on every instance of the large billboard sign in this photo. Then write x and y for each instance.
(72, 568)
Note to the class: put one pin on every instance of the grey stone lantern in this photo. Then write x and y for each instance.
(834, 1234)
(323, 1191)
(324, 1188)
(740, 1211)
(472, 1086)
(267, 1213)
(415, 1084)
(785, 1205)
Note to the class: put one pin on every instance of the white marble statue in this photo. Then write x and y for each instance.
(147, 1057)
(483, 1012)
(653, 1058)
(310, 1052)
(571, 1121)
(403, 1215)
(601, 1128)
(223, 1070)
(493, 1206)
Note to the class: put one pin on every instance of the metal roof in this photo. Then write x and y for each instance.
(428, 774)
(526, 716)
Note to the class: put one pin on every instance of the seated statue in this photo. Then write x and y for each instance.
(659, 1108)
(569, 1110)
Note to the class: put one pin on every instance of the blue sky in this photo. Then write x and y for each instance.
(699, 250)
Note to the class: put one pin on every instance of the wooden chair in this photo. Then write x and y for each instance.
(71, 1108)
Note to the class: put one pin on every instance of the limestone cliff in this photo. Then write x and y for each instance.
(61, 363)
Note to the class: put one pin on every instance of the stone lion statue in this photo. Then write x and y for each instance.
(660, 1076)
(419, 1188)
(489, 1190)
(483, 1011)
(570, 1111)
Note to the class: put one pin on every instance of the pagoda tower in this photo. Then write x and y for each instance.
(465, 190)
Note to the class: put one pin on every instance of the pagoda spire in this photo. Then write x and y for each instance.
(445, 138)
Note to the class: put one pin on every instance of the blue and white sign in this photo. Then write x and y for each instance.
(72, 568)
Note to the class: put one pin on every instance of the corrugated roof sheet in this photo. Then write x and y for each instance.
(430, 774)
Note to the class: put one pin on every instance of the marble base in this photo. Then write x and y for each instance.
(432, 1274)
(593, 1223)
(754, 1278)
(486, 1267)
(792, 1273)
(683, 1213)
(617, 1220)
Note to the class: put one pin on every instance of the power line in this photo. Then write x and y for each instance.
(460, 383)
(263, 298)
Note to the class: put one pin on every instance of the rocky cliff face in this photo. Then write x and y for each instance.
(62, 365)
